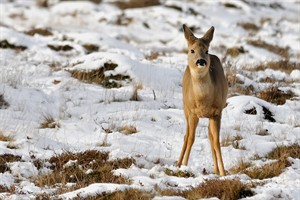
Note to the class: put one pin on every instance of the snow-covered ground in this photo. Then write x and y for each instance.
(148, 45)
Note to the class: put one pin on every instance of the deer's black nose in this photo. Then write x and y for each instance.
(201, 62)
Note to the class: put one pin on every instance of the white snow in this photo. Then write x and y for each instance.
(36, 84)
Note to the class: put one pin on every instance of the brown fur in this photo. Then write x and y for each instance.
(204, 91)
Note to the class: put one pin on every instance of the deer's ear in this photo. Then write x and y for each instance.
(188, 34)
(208, 36)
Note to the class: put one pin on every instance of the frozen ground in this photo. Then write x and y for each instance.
(148, 46)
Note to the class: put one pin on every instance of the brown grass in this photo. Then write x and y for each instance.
(270, 170)
(136, 3)
(275, 95)
(49, 122)
(4, 44)
(127, 129)
(153, 55)
(283, 152)
(132, 194)
(91, 48)
(97, 76)
(232, 140)
(284, 52)
(39, 31)
(5, 138)
(267, 171)
(60, 47)
(222, 189)
(123, 20)
(282, 65)
(76, 172)
(45, 3)
(178, 173)
(240, 167)
(6, 158)
(235, 51)
(231, 5)
(249, 26)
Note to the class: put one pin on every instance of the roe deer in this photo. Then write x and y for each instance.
(204, 89)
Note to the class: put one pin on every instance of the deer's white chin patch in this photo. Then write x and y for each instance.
(201, 66)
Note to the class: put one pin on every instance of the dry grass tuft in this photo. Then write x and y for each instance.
(91, 48)
(4, 44)
(232, 140)
(270, 170)
(282, 65)
(98, 76)
(49, 122)
(39, 31)
(222, 189)
(83, 169)
(240, 167)
(283, 152)
(127, 129)
(267, 171)
(249, 26)
(132, 194)
(178, 173)
(5, 138)
(235, 51)
(47, 3)
(136, 3)
(231, 5)
(284, 52)
(123, 20)
(6, 158)
(153, 55)
(60, 47)
(275, 95)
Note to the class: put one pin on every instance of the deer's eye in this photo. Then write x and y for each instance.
(206, 52)
(192, 51)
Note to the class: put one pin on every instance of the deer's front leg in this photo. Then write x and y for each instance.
(192, 123)
(214, 125)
